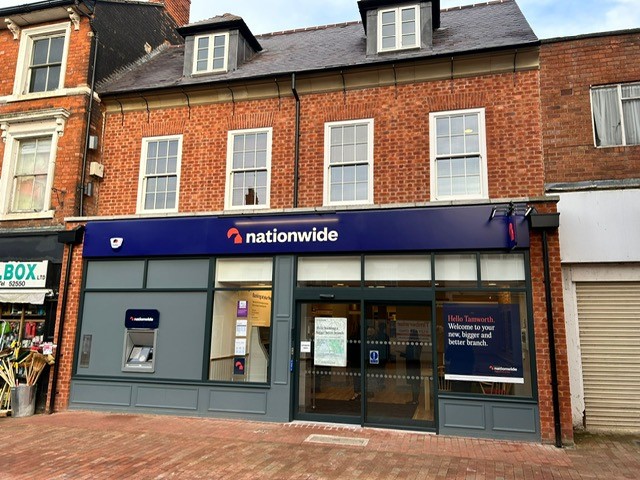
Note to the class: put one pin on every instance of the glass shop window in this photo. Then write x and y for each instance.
(329, 272)
(502, 271)
(483, 344)
(456, 270)
(397, 271)
(241, 330)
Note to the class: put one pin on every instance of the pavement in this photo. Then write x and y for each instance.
(90, 445)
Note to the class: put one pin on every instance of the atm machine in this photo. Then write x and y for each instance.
(140, 335)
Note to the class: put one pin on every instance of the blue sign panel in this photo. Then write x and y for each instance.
(436, 228)
(482, 343)
(374, 357)
(142, 319)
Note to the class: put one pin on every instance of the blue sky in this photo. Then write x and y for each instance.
(548, 18)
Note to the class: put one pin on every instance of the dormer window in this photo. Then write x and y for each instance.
(398, 28)
(211, 53)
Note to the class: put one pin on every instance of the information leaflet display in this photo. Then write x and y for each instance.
(330, 342)
(482, 343)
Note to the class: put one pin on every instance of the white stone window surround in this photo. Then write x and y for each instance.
(328, 164)
(231, 170)
(481, 152)
(18, 127)
(210, 53)
(27, 37)
(143, 177)
(398, 44)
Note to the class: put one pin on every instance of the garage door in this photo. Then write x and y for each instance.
(609, 319)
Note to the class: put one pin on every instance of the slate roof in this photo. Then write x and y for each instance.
(479, 27)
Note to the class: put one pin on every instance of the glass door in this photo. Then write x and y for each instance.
(329, 362)
(398, 364)
(373, 367)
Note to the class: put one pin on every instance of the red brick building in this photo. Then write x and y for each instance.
(53, 53)
(343, 223)
(590, 94)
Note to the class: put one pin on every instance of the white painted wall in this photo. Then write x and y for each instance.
(572, 274)
(599, 242)
(600, 226)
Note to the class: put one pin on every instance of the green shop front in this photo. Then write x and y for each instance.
(414, 318)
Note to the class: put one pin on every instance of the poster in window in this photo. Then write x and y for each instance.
(330, 342)
(482, 343)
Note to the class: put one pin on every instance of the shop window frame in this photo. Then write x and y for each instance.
(28, 38)
(364, 294)
(144, 176)
(481, 153)
(209, 289)
(369, 162)
(231, 171)
(620, 101)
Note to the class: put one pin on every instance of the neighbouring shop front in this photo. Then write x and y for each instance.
(414, 318)
(30, 266)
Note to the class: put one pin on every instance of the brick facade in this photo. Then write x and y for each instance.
(68, 157)
(401, 173)
(569, 67)
(401, 142)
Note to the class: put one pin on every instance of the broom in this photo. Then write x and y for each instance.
(34, 364)
(6, 373)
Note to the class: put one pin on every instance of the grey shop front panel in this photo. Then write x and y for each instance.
(489, 419)
(180, 345)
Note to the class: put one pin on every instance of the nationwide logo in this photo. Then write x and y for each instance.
(315, 235)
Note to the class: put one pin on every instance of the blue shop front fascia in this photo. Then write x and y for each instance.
(402, 230)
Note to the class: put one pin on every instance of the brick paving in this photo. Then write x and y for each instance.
(89, 445)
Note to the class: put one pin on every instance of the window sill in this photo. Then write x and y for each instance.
(399, 49)
(347, 204)
(246, 208)
(156, 212)
(461, 198)
(8, 217)
(62, 92)
(209, 72)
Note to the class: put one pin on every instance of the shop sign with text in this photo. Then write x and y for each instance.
(23, 274)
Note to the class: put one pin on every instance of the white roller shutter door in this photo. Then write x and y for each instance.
(609, 319)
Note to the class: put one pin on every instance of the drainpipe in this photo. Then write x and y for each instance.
(546, 222)
(83, 173)
(70, 238)
(296, 163)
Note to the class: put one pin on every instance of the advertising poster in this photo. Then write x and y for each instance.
(482, 343)
(241, 328)
(243, 309)
(239, 365)
(331, 342)
(241, 346)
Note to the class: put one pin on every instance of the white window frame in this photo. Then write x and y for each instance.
(618, 88)
(142, 174)
(210, 68)
(230, 171)
(398, 26)
(16, 129)
(484, 180)
(327, 161)
(27, 38)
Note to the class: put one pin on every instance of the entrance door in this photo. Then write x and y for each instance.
(398, 365)
(329, 362)
(371, 366)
